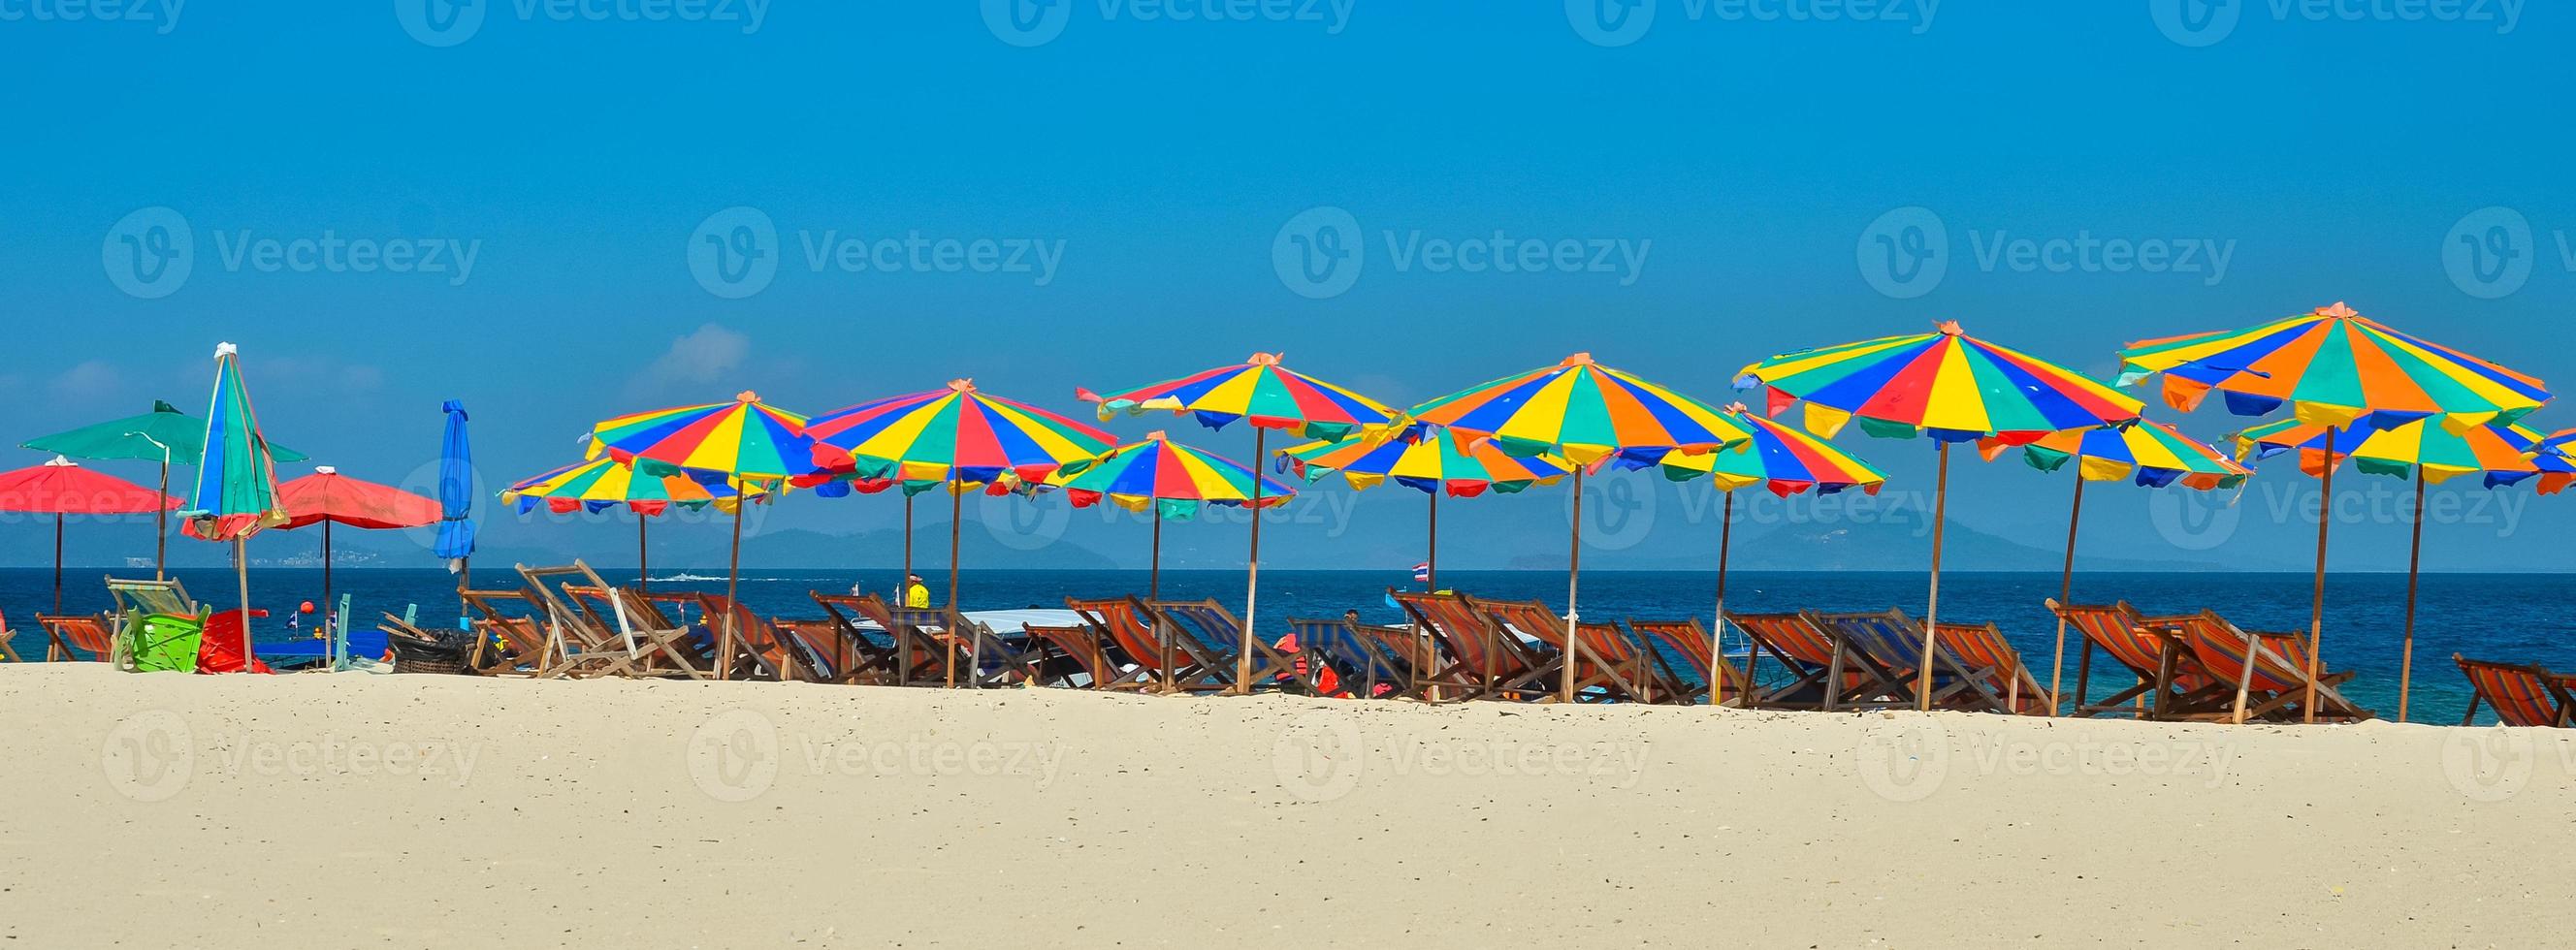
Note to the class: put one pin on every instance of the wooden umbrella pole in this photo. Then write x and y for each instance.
(733, 585)
(1431, 560)
(1252, 566)
(1154, 587)
(161, 527)
(643, 555)
(2065, 590)
(1573, 586)
(241, 574)
(2414, 570)
(956, 511)
(58, 562)
(904, 590)
(1717, 630)
(2317, 609)
(1932, 609)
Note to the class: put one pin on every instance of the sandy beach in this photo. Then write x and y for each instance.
(418, 811)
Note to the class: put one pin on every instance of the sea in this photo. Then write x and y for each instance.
(2524, 618)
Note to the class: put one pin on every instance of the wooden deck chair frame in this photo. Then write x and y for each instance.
(1162, 665)
(1479, 659)
(1356, 656)
(2520, 695)
(2171, 683)
(1081, 651)
(1688, 639)
(867, 661)
(1213, 635)
(1983, 646)
(987, 658)
(2270, 671)
(6, 635)
(581, 642)
(1828, 675)
(136, 599)
(1597, 678)
(655, 645)
(1893, 642)
(67, 636)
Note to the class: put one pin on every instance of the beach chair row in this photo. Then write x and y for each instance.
(2520, 694)
(2201, 667)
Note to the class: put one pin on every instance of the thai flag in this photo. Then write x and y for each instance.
(1422, 573)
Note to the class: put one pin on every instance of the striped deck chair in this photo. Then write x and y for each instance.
(1066, 652)
(655, 644)
(1689, 641)
(68, 637)
(1218, 637)
(976, 656)
(1347, 662)
(1892, 641)
(915, 658)
(1982, 646)
(2520, 695)
(1414, 647)
(591, 639)
(1475, 660)
(1125, 624)
(2169, 676)
(2275, 682)
(1814, 656)
(1541, 631)
(7, 635)
(777, 653)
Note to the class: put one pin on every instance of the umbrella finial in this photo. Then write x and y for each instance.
(226, 349)
(1737, 407)
(326, 470)
(746, 396)
(61, 461)
(1263, 359)
(2338, 310)
(160, 406)
(961, 385)
(1578, 359)
(1158, 435)
(1948, 327)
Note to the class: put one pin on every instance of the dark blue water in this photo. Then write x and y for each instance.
(2515, 617)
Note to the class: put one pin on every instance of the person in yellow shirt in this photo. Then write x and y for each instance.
(914, 594)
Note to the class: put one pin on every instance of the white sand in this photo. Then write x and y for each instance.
(413, 811)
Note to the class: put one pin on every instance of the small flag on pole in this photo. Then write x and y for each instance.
(1422, 573)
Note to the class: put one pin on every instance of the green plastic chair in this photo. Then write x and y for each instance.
(164, 643)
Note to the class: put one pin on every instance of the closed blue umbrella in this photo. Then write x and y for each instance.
(456, 498)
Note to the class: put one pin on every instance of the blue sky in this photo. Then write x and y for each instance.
(1114, 189)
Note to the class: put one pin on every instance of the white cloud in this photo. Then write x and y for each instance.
(88, 381)
(706, 355)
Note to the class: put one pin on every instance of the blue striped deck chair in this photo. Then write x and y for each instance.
(1215, 634)
(1893, 641)
(1360, 662)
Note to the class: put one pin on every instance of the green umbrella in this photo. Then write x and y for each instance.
(164, 435)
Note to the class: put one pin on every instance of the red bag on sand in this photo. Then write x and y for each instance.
(220, 650)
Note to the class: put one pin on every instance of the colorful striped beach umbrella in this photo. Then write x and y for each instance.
(600, 484)
(164, 435)
(958, 437)
(2150, 454)
(745, 439)
(1783, 461)
(2332, 367)
(2426, 452)
(1433, 464)
(1271, 396)
(1947, 385)
(60, 488)
(1588, 413)
(1170, 480)
(236, 494)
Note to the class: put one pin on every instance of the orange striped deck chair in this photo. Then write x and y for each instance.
(1081, 652)
(1479, 661)
(1598, 676)
(2169, 676)
(917, 658)
(1690, 641)
(2520, 695)
(1813, 658)
(1125, 623)
(1981, 646)
(2275, 681)
(69, 637)
(863, 659)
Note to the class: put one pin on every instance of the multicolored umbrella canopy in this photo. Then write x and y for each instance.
(1946, 384)
(2500, 454)
(1781, 459)
(2150, 453)
(953, 435)
(1258, 389)
(1168, 478)
(601, 484)
(163, 433)
(236, 493)
(2332, 366)
(745, 439)
(1433, 463)
(1584, 412)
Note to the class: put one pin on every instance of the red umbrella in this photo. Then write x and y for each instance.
(327, 497)
(61, 487)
